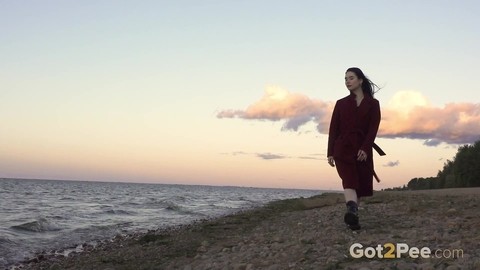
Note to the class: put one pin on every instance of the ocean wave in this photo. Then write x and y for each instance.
(173, 207)
(165, 203)
(170, 206)
(77, 212)
(180, 198)
(118, 212)
(5, 240)
(40, 225)
(131, 204)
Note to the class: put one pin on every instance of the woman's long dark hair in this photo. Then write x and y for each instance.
(368, 87)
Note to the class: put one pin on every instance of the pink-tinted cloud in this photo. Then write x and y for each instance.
(455, 123)
(407, 115)
(278, 104)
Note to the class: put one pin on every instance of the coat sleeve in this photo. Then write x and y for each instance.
(372, 127)
(333, 130)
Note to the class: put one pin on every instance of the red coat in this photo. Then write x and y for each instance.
(353, 128)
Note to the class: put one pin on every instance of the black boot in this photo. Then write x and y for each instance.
(351, 217)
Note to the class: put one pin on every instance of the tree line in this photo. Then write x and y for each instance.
(462, 171)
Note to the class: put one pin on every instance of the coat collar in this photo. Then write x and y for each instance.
(366, 99)
(352, 96)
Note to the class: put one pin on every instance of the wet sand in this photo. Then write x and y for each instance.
(307, 233)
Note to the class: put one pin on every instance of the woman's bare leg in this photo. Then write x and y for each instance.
(350, 195)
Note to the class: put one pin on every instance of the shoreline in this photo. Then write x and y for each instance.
(302, 233)
(75, 216)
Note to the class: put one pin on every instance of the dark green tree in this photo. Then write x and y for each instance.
(462, 171)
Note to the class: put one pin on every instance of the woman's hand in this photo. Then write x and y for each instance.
(361, 156)
(331, 161)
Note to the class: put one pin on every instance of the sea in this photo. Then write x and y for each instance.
(62, 216)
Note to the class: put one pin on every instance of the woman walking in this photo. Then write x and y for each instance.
(353, 128)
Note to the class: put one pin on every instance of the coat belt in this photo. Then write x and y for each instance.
(378, 149)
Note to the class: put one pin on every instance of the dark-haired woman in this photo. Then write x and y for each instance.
(353, 129)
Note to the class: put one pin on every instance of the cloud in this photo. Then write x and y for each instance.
(392, 164)
(407, 115)
(236, 153)
(312, 158)
(268, 156)
(432, 142)
(278, 104)
(454, 123)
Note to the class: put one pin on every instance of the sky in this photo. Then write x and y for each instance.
(230, 93)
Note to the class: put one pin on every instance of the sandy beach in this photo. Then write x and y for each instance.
(435, 229)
